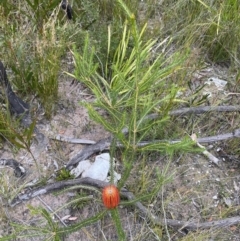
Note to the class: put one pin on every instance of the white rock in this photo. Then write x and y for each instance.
(219, 83)
(81, 167)
(227, 201)
(215, 197)
(97, 170)
(100, 168)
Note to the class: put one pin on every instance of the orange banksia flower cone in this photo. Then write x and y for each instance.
(110, 196)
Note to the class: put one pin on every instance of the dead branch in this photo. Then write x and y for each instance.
(234, 134)
(204, 109)
(192, 110)
(205, 152)
(89, 150)
(55, 187)
(105, 143)
(190, 225)
(73, 140)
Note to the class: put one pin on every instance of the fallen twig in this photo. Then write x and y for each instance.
(55, 187)
(204, 109)
(89, 150)
(104, 144)
(208, 139)
(192, 110)
(205, 152)
(190, 225)
(73, 140)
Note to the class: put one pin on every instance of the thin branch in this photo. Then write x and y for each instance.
(89, 150)
(190, 225)
(234, 134)
(72, 140)
(205, 152)
(192, 110)
(104, 144)
(204, 109)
